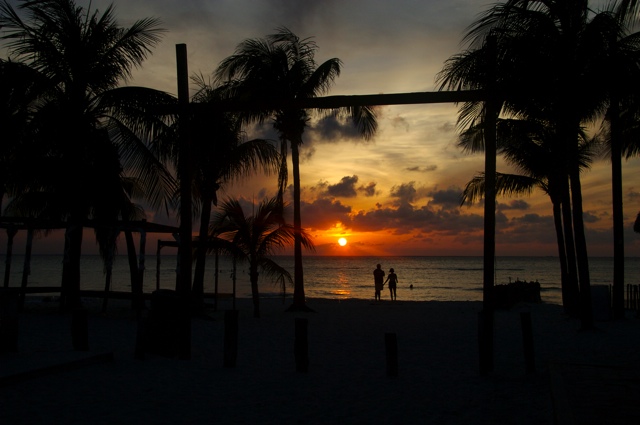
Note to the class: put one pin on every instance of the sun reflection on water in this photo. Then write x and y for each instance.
(342, 288)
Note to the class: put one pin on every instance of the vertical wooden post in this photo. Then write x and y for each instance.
(301, 345)
(234, 281)
(391, 349)
(230, 338)
(215, 282)
(527, 341)
(184, 169)
(158, 261)
(490, 121)
(617, 200)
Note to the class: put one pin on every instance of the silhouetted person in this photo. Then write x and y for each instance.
(392, 278)
(378, 280)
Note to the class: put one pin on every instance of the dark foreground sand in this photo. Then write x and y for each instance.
(438, 379)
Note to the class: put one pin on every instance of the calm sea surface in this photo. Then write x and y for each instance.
(433, 278)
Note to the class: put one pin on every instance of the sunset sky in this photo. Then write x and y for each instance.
(397, 194)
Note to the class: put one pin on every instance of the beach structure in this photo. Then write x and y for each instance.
(13, 225)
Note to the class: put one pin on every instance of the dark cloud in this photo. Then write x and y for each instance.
(332, 128)
(449, 198)
(531, 219)
(368, 190)
(590, 217)
(407, 219)
(419, 169)
(632, 195)
(404, 193)
(306, 153)
(262, 193)
(345, 189)
(517, 204)
(530, 228)
(324, 213)
(400, 122)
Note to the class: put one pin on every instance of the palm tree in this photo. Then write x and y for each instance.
(93, 132)
(221, 155)
(529, 147)
(621, 74)
(254, 238)
(549, 58)
(282, 67)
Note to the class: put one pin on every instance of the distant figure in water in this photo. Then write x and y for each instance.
(378, 280)
(411, 286)
(392, 278)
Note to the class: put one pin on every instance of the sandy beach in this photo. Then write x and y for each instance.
(438, 377)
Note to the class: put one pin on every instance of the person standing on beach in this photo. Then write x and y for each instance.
(378, 280)
(392, 278)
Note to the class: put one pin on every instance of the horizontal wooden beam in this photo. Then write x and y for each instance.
(334, 102)
(22, 223)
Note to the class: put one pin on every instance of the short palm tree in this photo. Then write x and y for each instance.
(221, 155)
(255, 238)
(282, 67)
(92, 134)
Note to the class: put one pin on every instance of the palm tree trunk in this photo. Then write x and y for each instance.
(70, 297)
(562, 255)
(573, 290)
(137, 303)
(618, 218)
(107, 285)
(197, 291)
(586, 309)
(299, 299)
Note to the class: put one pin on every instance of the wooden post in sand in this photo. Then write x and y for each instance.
(230, 338)
(301, 346)
(184, 171)
(492, 109)
(391, 348)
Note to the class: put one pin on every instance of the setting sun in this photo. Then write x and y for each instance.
(342, 241)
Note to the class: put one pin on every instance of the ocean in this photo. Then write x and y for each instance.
(432, 278)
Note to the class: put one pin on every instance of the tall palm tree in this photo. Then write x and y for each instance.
(94, 132)
(221, 154)
(529, 147)
(255, 238)
(549, 58)
(282, 67)
(621, 73)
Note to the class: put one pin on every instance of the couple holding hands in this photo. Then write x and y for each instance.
(378, 279)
